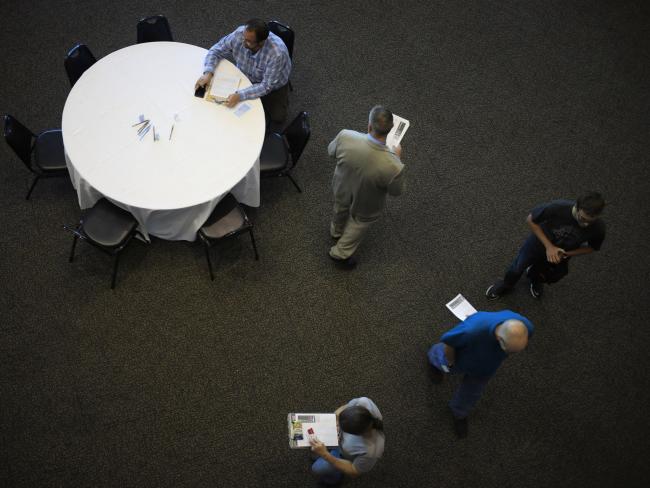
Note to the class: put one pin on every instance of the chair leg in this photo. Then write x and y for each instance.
(294, 183)
(74, 244)
(31, 188)
(257, 257)
(206, 246)
(115, 263)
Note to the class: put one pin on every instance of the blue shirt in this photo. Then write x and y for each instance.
(268, 69)
(478, 352)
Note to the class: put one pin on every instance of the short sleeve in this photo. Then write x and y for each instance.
(363, 464)
(543, 212)
(597, 237)
(460, 335)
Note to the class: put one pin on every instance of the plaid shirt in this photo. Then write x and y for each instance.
(268, 69)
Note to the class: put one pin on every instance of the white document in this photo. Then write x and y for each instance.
(323, 425)
(460, 307)
(222, 85)
(400, 126)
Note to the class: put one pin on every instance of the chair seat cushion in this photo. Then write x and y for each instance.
(226, 218)
(108, 225)
(274, 155)
(48, 151)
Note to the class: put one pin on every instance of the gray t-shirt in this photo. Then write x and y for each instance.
(363, 450)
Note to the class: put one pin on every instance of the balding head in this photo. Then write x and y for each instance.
(512, 335)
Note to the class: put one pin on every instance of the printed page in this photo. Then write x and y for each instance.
(323, 424)
(400, 126)
(460, 307)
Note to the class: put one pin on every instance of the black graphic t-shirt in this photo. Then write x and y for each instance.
(557, 221)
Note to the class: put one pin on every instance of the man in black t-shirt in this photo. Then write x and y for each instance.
(561, 229)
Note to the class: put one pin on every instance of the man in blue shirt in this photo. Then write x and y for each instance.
(476, 348)
(263, 58)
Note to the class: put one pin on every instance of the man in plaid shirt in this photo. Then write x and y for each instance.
(263, 58)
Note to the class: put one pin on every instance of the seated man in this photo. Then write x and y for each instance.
(263, 58)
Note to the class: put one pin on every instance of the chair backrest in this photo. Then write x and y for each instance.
(153, 29)
(19, 139)
(284, 32)
(297, 135)
(77, 61)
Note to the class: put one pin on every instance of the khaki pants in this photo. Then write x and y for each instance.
(349, 230)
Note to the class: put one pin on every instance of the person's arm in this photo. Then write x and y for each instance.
(581, 251)
(331, 148)
(450, 354)
(554, 254)
(396, 186)
(343, 465)
(276, 75)
(220, 50)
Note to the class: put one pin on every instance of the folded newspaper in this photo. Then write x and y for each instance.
(400, 126)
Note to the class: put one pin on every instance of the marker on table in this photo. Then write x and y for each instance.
(171, 132)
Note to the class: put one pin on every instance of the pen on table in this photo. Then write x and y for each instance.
(143, 128)
(140, 123)
(171, 132)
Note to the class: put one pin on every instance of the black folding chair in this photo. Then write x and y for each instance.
(280, 152)
(287, 35)
(77, 61)
(43, 154)
(228, 219)
(108, 228)
(154, 29)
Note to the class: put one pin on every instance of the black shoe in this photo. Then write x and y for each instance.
(536, 289)
(460, 427)
(496, 290)
(347, 264)
(437, 376)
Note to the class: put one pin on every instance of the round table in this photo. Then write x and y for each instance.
(170, 185)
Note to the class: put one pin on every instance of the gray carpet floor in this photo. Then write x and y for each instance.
(172, 380)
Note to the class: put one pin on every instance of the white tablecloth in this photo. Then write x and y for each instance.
(170, 186)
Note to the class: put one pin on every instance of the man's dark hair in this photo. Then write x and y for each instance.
(592, 203)
(260, 28)
(380, 120)
(356, 420)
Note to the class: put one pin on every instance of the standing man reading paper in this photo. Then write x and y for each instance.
(263, 58)
(366, 171)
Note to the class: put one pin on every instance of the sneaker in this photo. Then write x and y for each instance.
(347, 264)
(460, 427)
(495, 290)
(437, 376)
(536, 289)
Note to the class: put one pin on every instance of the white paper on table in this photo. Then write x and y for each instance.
(460, 307)
(242, 109)
(324, 425)
(222, 86)
(400, 126)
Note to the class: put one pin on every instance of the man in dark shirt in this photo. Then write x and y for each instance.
(561, 229)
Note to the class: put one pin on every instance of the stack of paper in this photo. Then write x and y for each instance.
(221, 87)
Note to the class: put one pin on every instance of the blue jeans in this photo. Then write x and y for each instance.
(470, 389)
(531, 252)
(327, 474)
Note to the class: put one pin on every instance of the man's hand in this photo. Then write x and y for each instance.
(398, 151)
(203, 81)
(318, 447)
(232, 100)
(554, 254)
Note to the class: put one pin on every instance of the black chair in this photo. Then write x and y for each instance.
(280, 152)
(108, 228)
(228, 219)
(43, 154)
(77, 61)
(153, 29)
(287, 35)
